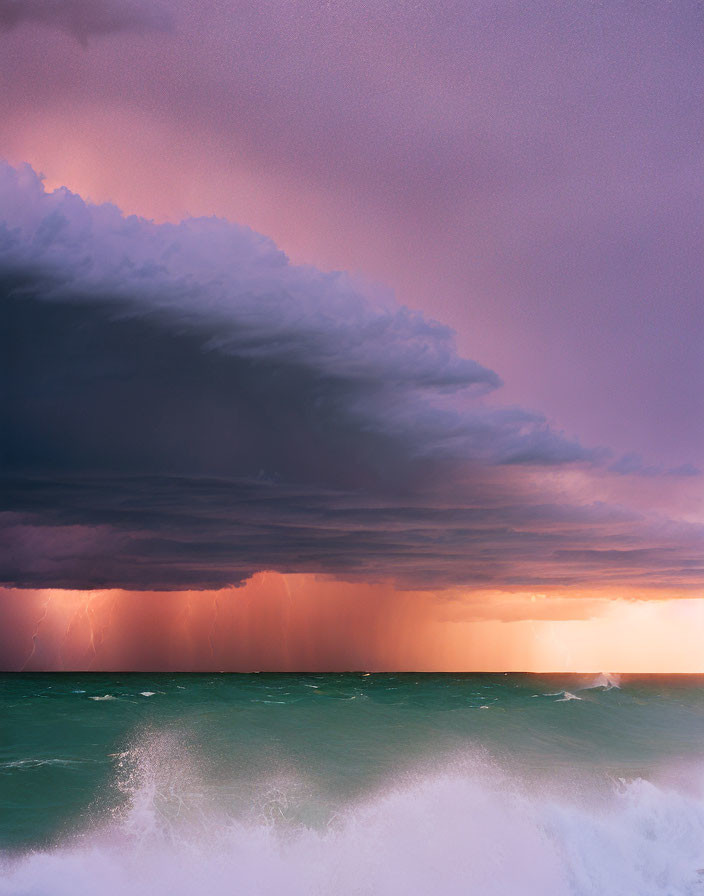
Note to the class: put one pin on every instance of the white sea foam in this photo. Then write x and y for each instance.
(147, 693)
(104, 697)
(564, 696)
(472, 830)
(37, 763)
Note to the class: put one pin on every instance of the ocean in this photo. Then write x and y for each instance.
(381, 784)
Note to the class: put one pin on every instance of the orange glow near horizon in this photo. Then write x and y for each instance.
(306, 623)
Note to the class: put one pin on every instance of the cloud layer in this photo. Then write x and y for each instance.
(182, 407)
(85, 18)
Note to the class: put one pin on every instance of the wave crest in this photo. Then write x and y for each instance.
(470, 829)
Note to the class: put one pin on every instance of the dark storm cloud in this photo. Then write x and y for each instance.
(85, 18)
(181, 407)
(529, 171)
(166, 532)
(199, 348)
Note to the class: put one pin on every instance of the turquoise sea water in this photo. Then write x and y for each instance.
(351, 784)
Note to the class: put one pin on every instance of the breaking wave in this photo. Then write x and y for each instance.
(605, 680)
(470, 828)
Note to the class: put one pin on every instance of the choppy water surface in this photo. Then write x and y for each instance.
(351, 784)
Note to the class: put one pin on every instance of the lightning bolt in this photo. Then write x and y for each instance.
(64, 639)
(35, 634)
(90, 617)
(101, 631)
(211, 638)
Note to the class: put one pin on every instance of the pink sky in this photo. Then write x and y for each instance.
(530, 176)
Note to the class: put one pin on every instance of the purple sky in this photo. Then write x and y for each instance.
(527, 174)
(530, 174)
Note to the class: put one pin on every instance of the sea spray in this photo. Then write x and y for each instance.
(264, 784)
(478, 832)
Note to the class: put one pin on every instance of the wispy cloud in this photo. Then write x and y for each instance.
(87, 18)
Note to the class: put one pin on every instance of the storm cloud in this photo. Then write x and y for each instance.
(181, 406)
